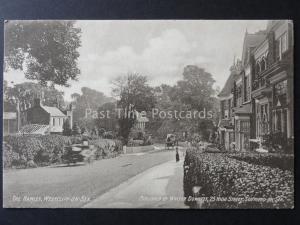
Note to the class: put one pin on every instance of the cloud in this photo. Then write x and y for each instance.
(157, 49)
(161, 61)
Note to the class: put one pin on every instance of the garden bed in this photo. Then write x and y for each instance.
(225, 182)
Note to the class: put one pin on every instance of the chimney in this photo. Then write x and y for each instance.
(37, 102)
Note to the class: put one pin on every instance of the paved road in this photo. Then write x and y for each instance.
(157, 187)
(84, 185)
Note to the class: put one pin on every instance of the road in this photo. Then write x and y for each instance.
(141, 180)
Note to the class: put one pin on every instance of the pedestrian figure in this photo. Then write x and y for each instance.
(177, 155)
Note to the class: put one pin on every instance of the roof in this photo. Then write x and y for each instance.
(225, 124)
(34, 129)
(226, 91)
(142, 119)
(53, 111)
(245, 109)
(251, 41)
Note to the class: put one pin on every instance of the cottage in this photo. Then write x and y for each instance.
(42, 115)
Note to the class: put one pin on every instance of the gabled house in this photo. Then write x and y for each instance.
(262, 90)
(226, 123)
(42, 115)
(272, 83)
(243, 110)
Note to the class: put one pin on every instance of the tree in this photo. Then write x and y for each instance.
(76, 129)
(89, 100)
(196, 88)
(47, 51)
(26, 92)
(134, 90)
(134, 94)
(67, 131)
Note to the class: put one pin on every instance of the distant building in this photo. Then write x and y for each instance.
(141, 121)
(10, 118)
(41, 118)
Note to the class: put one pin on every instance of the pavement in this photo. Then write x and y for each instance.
(139, 176)
(158, 187)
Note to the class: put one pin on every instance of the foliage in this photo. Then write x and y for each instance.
(196, 88)
(274, 160)
(67, 131)
(238, 182)
(134, 94)
(106, 148)
(76, 129)
(42, 149)
(47, 51)
(90, 99)
(26, 93)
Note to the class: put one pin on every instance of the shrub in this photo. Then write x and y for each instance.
(106, 148)
(76, 129)
(9, 156)
(26, 147)
(222, 177)
(40, 149)
(67, 131)
(53, 148)
(274, 160)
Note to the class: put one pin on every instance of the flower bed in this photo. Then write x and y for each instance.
(274, 160)
(229, 183)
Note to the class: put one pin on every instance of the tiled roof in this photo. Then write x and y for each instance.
(53, 111)
(34, 129)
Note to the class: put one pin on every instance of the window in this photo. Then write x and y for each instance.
(281, 45)
(284, 44)
(263, 64)
(247, 88)
(257, 68)
(53, 121)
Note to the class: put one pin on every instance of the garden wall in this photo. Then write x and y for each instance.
(139, 149)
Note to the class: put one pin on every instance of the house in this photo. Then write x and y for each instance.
(226, 123)
(242, 108)
(261, 101)
(141, 120)
(272, 83)
(10, 118)
(50, 119)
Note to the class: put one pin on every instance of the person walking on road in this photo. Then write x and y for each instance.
(177, 155)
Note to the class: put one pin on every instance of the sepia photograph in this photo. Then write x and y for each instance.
(164, 114)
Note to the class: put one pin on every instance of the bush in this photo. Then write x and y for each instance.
(40, 149)
(274, 160)
(231, 183)
(26, 147)
(9, 156)
(53, 148)
(106, 148)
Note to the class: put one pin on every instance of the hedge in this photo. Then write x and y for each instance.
(42, 150)
(274, 160)
(229, 183)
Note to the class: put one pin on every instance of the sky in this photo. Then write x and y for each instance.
(158, 49)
